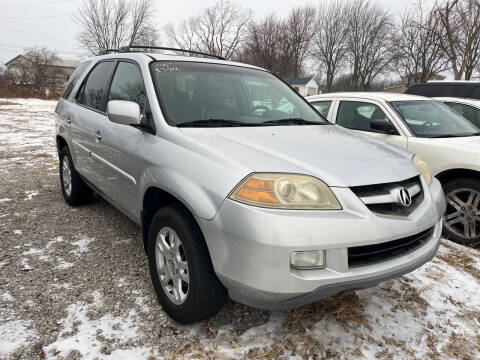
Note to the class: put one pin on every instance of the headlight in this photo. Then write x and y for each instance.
(424, 168)
(285, 191)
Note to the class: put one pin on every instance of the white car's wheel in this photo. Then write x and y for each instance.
(462, 217)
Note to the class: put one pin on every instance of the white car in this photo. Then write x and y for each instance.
(448, 142)
(468, 108)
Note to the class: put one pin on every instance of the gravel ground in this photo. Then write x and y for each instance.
(74, 283)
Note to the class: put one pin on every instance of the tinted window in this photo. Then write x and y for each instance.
(357, 115)
(439, 90)
(199, 91)
(468, 112)
(74, 79)
(475, 93)
(323, 106)
(127, 84)
(427, 118)
(92, 93)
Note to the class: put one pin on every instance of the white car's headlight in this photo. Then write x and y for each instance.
(285, 191)
(424, 168)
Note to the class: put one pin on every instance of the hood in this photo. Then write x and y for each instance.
(334, 155)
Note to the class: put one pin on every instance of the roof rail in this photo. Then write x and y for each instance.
(136, 47)
(107, 51)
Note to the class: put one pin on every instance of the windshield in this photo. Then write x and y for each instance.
(202, 94)
(428, 118)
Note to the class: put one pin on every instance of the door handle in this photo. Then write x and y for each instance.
(68, 119)
(98, 136)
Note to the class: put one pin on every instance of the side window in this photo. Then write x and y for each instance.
(127, 84)
(364, 116)
(92, 93)
(323, 106)
(475, 93)
(74, 78)
(469, 112)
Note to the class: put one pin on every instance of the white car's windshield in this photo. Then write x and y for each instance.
(430, 119)
(205, 95)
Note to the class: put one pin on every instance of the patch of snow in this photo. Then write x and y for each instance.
(14, 334)
(79, 332)
(26, 265)
(62, 264)
(58, 239)
(7, 297)
(82, 245)
(5, 200)
(31, 194)
(2, 264)
(17, 232)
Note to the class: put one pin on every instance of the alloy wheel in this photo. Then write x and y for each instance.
(172, 266)
(66, 176)
(462, 217)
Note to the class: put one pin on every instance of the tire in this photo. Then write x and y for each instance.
(75, 192)
(204, 295)
(462, 217)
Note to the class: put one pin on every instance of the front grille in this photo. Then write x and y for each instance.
(384, 203)
(372, 254)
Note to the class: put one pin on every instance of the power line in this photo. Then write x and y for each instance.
(37, 3)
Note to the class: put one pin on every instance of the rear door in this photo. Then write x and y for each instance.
(88, 114)
(357, 115)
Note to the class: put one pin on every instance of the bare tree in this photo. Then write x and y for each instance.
(329, 46)
(266, 45)
(300, 29)
(110, 24)
(460, 35)
(416, 47)
(218, 30)
(367, 41)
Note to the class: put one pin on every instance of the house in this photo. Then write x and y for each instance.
(305, 86)
(23, 72)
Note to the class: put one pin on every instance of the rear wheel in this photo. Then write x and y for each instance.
(75, 191)
(182, 273)
(462, 217)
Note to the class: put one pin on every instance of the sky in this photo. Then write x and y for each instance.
(51, 23)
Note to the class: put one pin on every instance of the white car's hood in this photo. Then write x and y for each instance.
(328, 152)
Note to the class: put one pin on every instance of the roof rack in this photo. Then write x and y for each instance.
(134, 47)
(107, 51)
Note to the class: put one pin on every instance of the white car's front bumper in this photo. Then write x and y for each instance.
(251, 247)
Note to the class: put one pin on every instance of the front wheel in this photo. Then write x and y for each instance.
(182, 273)
(461, 222)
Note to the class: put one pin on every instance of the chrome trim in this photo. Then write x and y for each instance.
(81, 147)
(386, 198)
(128, 176)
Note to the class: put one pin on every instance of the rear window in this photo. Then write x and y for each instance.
(76, 75)
(93, 91)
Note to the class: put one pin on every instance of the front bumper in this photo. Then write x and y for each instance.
(250, 247)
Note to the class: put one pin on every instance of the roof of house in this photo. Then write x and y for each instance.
(298, 80)
(60, 62)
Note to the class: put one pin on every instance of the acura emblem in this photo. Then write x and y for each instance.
(405, 198)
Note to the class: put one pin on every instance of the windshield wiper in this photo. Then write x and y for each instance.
(214, 123)
(292, 121)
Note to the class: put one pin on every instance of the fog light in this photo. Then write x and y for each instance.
(305, 260)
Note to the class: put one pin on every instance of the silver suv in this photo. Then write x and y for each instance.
(239, 184)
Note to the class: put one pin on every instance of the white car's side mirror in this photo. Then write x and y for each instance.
(124, 112)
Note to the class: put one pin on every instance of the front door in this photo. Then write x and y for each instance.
(359, 116)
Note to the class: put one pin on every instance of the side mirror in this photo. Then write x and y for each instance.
(124, 112)
(383, 126)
